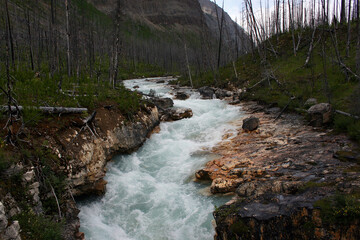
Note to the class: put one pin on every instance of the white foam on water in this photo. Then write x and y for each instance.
(149, 195)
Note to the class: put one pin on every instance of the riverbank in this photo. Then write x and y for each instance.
(62, 158)
(281, 174)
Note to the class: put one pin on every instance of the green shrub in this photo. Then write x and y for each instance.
(128, 101)
(38, 227)
(348, 125)
(31, 116)
(340, 209)
(5, 162)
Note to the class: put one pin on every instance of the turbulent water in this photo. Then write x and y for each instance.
(151, 193)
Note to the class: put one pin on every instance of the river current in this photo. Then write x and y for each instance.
(151, 193)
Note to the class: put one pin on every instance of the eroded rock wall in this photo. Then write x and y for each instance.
(88, 166)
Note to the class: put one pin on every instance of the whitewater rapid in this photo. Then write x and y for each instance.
(151, 193)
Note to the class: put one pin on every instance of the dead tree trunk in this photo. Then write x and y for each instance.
(310, 48)
(9, 34)
(220, 27)
(348, 32)
(9, 87)
(188, 66)
(68, 38)
(292, 25)
(342, 12)
(30, 41)
(54, 110)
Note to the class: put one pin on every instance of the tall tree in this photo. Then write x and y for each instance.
(343, 12)
(9, 34)
(67, 13)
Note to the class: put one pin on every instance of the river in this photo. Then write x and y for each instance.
(151, 194)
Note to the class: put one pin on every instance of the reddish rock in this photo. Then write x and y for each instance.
(80, 235)
(100, 187)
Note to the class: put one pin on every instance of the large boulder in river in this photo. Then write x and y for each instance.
(251, 123)
(180, 113)
(320, 114)
(181, 96)
(163, 103)
(206, 92)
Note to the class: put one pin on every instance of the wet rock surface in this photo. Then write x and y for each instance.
(162, 103)
(181, 96)
(175, 114)
(271, 170)
(167, 111)
(207, 92)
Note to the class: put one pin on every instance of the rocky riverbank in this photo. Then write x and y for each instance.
(81, 152)
(288, 178)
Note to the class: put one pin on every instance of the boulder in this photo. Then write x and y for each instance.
(206, 92)
(310, 102)
(163, 103)
(181, 96)
(29, 176)
(13, 231)
(320, 114)
(179, 113)
(152, 93)
(251, 123)
(202, 175)
(221, 93)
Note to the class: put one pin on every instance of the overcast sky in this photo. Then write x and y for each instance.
(233, 7)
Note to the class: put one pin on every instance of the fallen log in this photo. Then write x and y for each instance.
(48, 109)
(283, 110)
(347, 114)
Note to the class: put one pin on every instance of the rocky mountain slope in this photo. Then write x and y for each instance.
(157, 13)
(233, 35)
